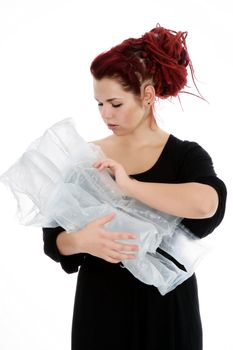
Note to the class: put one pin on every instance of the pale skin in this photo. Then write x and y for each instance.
(134, 146)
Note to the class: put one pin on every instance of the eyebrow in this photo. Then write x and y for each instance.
(111, 99)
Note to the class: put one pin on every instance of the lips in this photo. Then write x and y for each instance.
(112, 126)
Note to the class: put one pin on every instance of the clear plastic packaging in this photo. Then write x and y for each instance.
(55, 184)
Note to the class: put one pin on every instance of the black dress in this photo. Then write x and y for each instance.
(115, 311)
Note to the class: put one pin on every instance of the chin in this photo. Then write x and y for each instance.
(120, 132)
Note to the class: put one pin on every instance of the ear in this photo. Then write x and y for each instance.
(148, 95)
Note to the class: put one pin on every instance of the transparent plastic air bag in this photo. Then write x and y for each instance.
(55, 184)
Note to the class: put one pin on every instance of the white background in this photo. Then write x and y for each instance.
(46, 48)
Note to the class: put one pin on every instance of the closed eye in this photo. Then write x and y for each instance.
(116, 106)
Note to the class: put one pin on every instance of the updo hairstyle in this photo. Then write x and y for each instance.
(160, 57)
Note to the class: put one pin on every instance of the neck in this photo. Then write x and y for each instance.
(143, 135)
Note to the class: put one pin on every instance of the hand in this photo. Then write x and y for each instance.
(97, 241)
(117, 170)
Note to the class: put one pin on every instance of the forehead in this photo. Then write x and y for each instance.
(108, 88)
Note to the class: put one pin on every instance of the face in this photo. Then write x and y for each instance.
(122, 111)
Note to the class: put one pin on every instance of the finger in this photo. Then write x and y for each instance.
(106, 167)
(111, 260)
(97, 163)
(125, 247)
(104, 219)
(120, 236)
(108, 163)
(101, 162)
(121, 256)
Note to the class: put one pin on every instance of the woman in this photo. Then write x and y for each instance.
(113, 309)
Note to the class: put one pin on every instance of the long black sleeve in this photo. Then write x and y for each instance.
(196, 166)
(69, 263)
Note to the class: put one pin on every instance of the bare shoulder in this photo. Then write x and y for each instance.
(106, 144)
(110, 148)
(102, 141)
(134, 158)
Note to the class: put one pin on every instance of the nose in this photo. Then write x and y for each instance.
(106, 112)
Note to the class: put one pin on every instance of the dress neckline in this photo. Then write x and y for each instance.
(157, 161)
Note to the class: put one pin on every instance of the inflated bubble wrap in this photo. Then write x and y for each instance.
(55, 184)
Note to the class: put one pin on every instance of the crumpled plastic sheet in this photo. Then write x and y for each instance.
(55, 184)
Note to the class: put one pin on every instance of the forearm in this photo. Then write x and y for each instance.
(68, 243)
(187, 200)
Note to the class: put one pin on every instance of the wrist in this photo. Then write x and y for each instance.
(130, 187)
(69, 243)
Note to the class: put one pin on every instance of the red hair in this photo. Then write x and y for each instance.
(160, 56)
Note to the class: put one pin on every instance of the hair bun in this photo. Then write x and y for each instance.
(168, 59)
(159, 56)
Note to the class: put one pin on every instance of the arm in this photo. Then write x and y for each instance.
(68, 244)
(188, 200)
(71, 248)
(196, 193)
(69, 263)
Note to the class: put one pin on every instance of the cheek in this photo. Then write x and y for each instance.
(137, 114)
(131, 115)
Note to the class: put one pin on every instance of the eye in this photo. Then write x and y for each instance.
(100, 104)
(116, 106)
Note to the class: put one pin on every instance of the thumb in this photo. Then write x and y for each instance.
(104, 219)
